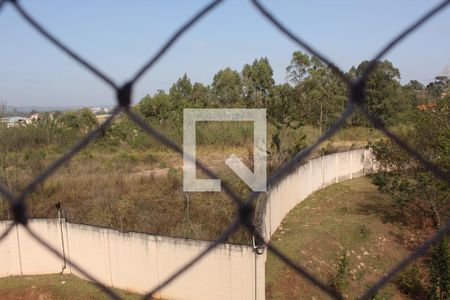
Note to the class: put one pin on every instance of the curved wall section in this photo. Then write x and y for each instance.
(314, 175)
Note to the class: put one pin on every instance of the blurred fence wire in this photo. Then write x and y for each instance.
(245, 207)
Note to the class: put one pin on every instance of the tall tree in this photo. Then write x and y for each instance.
(322, 94)
(258, 82)
(200, 95)
(159, 107)
(282, 107)
(299, 67)
(86, 120)
(415, 85)
(384, 97)
(439, 88)
(181, 90)
(227, 87)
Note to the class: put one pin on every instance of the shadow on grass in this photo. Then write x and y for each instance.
(390, 213)
(387, 212)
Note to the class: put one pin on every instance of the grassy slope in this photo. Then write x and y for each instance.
(353, 217)
(53, 287)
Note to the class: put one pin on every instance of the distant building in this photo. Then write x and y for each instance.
(15, 121)
(96, 110)
(100, 110)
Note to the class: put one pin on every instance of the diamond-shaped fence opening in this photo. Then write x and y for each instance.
(245, 212)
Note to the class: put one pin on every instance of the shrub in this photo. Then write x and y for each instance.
(364, 231)
(408, 281)
(439, 269)
(339, 280)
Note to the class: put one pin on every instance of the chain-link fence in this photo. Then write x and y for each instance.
(245, 207)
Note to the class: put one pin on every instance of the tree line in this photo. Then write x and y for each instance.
(313, 94)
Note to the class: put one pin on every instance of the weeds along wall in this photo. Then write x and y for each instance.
(137, 261)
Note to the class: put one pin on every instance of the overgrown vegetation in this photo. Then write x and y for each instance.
(131, 182)
(439, 268)
(409, 282)
(423, 198)
(339, 280)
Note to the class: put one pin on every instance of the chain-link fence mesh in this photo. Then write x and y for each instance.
(245, 207)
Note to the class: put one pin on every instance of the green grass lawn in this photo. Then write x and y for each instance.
(46, 287)
(351, 218)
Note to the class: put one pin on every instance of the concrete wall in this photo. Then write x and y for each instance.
(308, 178)
(139, 262)
(136, 262)
(21, 255)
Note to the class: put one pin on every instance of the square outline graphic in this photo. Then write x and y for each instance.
(255, 180)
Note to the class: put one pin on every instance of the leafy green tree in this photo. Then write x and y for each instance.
(159, 107)
(384, 97)
(282, 108)
(422, 197)
(181, 91)
(299, 67)
(439, 88)
(227, 87)
(414, 95)
(318, 95)
(411, 186)
(323, 95)
(86, 120)
(258, 82)
(69, 120)
(82, 120)
(201, 94)
(416, 85)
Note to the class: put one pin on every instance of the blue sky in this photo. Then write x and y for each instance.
(118, 36)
